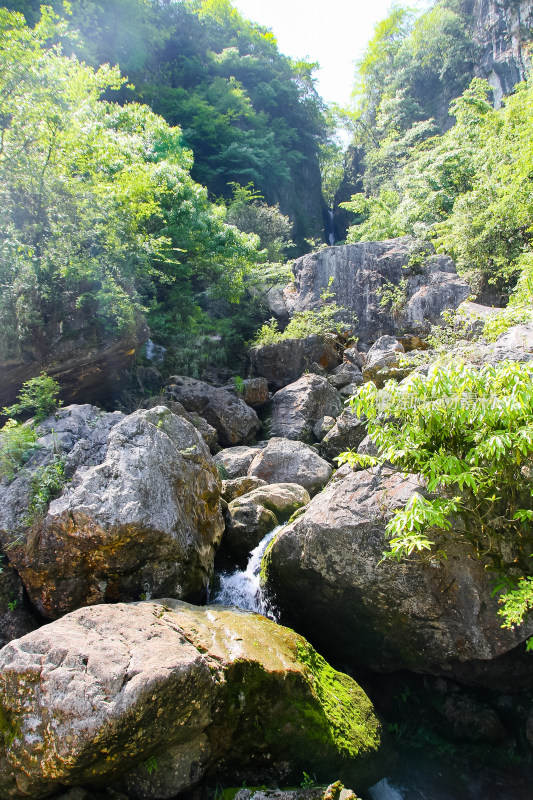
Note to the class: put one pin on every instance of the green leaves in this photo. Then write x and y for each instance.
(468, 433)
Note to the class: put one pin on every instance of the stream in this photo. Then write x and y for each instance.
(420, 773)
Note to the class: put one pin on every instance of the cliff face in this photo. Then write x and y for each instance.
(503, 29)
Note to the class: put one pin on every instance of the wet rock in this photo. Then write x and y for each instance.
(286, 361)
(234, 421)
(298, 407)
(335, 791)
(420, 615)
(361, 271)
(234, 462)
(236, 487)
(287, 461)
(468, 720)
(250, 517)
(347, 434)
(152, 697)
(383, 361)
(145, 519)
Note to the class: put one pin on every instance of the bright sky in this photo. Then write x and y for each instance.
(332, 32)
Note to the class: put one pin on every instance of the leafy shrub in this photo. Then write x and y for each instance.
(47, 483)
(16, 444)
(38, 396)
(469, 434)
(304, 323)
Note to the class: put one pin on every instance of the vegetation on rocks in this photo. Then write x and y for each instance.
(468, 433)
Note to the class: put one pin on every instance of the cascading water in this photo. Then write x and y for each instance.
(331, 228)
(242, 587)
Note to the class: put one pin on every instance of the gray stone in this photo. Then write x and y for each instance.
(468, 720)
(383, 361)
(236, 487)
(322, 427)
(148, 697)
(250, 517)
(146, 520)
(234, 462)
(298, 407)
(286, 361)
(208, 433)
(347, 434)
(287, 461)
(360, 271)
(234, 421)
(325, 570)
(346, 373)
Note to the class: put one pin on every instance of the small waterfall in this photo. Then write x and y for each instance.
(384, 791)
(155, 352)
(241, 588)
(331, 228)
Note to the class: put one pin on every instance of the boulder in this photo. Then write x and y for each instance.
(208, 433)
(141, 515)
(152, 697)
(286, 361)
(347, 434)
(234, 462)
(322, 427)
(361, 271)
(468, 720)
(250, 517)
(298, 407)
(326, 575)
(254, 391)
(352, 356)
(383, 361)
(335, 791)
(236, 487)
(234, 421)
(346, 373)
(287, 461)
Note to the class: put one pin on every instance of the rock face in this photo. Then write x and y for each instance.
(208, 433)
(502, 31)
(361, 271)
(234, 421)
(250, 517)
(325, 575)
(87, 367)
(286, 461)
(141, 515)
(286, 361)
(193, 691)
(298, 407)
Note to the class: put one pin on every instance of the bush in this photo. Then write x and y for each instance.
(46, 483)
(469, 434)
(38, 396)
(16, 444)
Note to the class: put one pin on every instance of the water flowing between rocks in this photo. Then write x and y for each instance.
(242, 588)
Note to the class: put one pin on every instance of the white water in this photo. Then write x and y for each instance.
(331, 234)
(155, 352)
(384, 791)
(242, 588)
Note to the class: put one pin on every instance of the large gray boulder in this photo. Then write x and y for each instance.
(250, 517)
(233, 419)
(361, 271)
(298, 407)
(326, 575)
(383, 361)
(286, 361)
(287, 461)
(150, 698)
(140, 516)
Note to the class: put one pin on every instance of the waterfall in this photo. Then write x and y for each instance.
(242, 588)
(331, 228)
